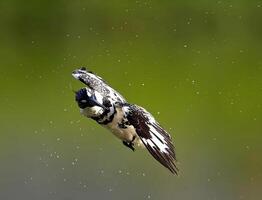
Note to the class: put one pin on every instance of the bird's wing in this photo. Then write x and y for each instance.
(157, 141)
(98, 84)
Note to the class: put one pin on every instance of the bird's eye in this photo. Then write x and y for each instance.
(83, 101)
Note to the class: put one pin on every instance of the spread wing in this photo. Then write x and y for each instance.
(157, 141)
(98, 84)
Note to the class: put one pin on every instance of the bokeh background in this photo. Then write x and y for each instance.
(196, 65)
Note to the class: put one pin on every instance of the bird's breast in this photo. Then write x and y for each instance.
(125, 133)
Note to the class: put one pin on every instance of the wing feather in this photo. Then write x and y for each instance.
(157, 141)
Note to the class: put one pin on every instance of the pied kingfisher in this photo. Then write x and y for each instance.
(130, 123)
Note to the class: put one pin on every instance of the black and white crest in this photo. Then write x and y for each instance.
(130, 123)
(97, 83)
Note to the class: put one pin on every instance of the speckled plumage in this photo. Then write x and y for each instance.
(130, 123)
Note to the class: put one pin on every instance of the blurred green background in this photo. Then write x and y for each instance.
(196, 65)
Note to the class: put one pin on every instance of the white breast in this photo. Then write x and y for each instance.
(126, 134)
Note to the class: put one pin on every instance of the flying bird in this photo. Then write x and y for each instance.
(129, 122)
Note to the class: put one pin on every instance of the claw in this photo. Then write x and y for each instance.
(129, 145)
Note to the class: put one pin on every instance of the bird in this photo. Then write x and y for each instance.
(132, 124)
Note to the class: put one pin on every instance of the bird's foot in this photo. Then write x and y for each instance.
(129, 145)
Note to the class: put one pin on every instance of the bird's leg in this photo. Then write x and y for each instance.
(130, 144)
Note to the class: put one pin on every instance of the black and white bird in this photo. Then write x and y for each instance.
(130, 123)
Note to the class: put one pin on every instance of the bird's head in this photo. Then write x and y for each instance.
(86, 98)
